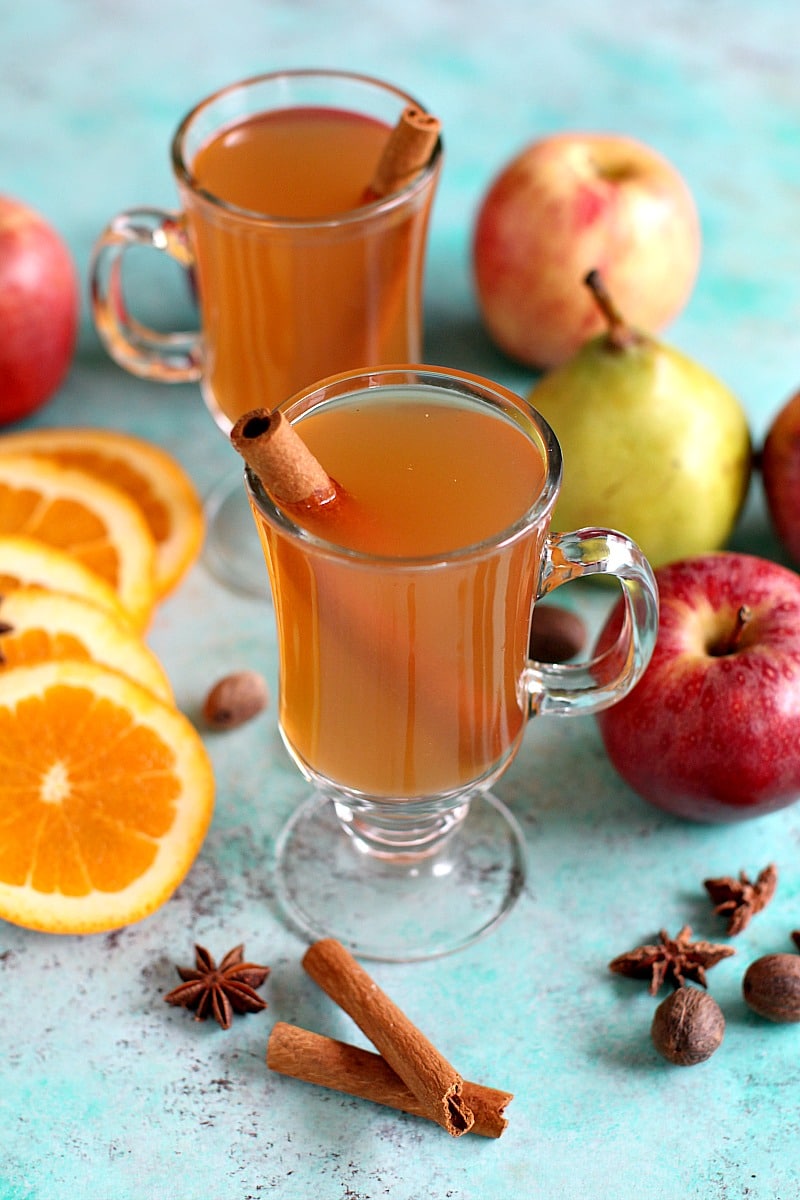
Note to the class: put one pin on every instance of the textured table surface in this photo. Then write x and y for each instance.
(108, 1093)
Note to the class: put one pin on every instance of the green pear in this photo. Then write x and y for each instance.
(654, 445)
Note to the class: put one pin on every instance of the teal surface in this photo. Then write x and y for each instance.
(109, 1094)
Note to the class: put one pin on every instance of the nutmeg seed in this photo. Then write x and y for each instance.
(235, 699)
(687, 1027)
(557, 634)
(771, 987)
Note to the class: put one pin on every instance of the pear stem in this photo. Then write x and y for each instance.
(620, 334)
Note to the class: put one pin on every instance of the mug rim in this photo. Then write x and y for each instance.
(417, 374)
(183, 172)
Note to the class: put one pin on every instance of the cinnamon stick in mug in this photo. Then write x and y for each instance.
(408, 150)
(274, 450)
(314, 1058)
(426, 1073)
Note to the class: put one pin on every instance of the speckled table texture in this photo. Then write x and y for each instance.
(108, 1093)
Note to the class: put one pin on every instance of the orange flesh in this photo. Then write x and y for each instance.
(75, 816)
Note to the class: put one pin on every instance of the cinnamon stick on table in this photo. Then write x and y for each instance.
(407, 152)
(329, 1063)
(426, 1073)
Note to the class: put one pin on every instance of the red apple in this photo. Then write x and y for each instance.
(780, 472)
(712, 730)
(39, 309)
(567, 204)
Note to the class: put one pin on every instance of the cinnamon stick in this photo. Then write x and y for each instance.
(274, 450)
(407, 151)
(427, 1074)
(329, 1063)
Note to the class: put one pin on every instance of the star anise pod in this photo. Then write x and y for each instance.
(670, 960)
(739, 899)
(222, 990)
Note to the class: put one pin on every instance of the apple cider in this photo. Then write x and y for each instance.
(403, 629)
(300, 280)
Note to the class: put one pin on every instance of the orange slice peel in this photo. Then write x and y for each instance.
(150, 477)
(26, 562)
(92, 521)
(38, 626)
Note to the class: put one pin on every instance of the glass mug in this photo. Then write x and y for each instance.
(296, 275)
(404, 680)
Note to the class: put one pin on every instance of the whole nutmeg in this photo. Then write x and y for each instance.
(557, 634)
(771, 987)
(235, 699)
(687, 1027)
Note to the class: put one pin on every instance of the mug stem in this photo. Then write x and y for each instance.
(389, 832)
(448, 889)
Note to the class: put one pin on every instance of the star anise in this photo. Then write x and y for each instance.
(222, 990)
(739, 899)
(671, 960)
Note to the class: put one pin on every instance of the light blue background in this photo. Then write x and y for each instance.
(109, 1094)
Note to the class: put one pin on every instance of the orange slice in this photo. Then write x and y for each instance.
(94, 522)
(148, 475)
(37, 626)
(24, 562)
(106, 794)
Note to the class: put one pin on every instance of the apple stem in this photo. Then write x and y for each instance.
(731, 644)
(620, 334)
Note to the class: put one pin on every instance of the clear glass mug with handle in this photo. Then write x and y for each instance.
(297, 273)
(405, 683)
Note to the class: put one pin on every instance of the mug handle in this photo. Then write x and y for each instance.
(586, 687)
(167, 357)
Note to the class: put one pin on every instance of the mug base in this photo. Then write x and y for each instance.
(405, 909)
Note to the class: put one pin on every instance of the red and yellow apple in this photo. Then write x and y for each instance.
(569, 203)
(780, 473)
(39, 310)
(711, 731)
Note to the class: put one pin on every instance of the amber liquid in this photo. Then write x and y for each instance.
(400, 677)
(292, 288)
